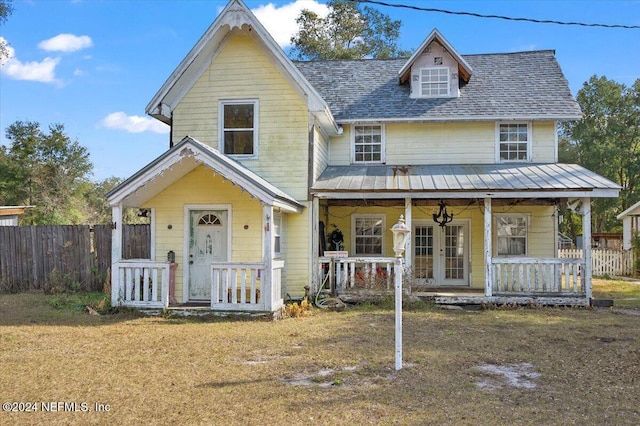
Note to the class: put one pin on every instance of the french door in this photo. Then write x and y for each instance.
(441, 254)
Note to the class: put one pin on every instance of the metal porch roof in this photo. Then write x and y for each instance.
(465, 180)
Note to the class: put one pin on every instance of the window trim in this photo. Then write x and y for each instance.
(499, 124)
(256, 121)
(437, 95)
(527, 219)
(382, 143)
(381, 217)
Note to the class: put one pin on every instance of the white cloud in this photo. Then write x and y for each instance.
(133, 123)
(66, 43)
(281, 21)
(43, 71)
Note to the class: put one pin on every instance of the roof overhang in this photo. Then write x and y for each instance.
(464, 69)
(14, 210)
(182, 159)
(462, 118)
(522, 180)
(235, 18)
(634, 210)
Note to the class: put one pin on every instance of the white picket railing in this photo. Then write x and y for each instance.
(240, 286)
(531, 276)
(605, 262)
(141, 283)
(349, 273)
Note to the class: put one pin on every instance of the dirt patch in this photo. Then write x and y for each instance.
(520, 376)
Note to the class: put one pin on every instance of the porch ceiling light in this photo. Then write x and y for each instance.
(442, 218)
(400, 233)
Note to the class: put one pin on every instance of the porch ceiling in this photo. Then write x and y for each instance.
(463, 181)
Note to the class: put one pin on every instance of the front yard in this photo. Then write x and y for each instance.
(500, 366)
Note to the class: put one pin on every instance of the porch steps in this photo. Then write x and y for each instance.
(205, 312)
(477, 298)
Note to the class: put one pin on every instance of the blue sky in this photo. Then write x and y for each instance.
(93, 65)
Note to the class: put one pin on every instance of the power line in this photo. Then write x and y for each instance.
(507, 18)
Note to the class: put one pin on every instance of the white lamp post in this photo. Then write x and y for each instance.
(400, 233)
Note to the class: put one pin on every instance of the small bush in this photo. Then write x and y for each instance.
(298, 310)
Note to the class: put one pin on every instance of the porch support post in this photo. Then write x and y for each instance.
(267, 278)
(315, 244)
(116, 251)
(408, 258)
(586, 246)
(488, 270)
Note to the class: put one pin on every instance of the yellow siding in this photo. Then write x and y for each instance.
(321, 150)
(297, 241)
(446, 143)
(242, 71)
(541, 235)
(202, 187)
(544, 135)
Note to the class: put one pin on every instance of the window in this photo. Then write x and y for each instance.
(368, 234)
(277, 234)
(513, 142)
(512, 235)
(239, 127)
(368, 144)
(434, 81)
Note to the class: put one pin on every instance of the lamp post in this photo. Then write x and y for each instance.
(400, 233)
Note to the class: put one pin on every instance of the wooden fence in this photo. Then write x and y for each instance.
(605, 262)
(66, 256)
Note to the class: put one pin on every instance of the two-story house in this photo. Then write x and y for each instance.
(274, 162)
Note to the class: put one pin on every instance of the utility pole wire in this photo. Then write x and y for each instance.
(507, 18)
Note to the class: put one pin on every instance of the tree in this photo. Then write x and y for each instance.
(348, 32)
(47, 170)
(607, 141)
(6, 9)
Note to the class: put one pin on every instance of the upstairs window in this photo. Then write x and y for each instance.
(367, 142)
(514, 142)
(239, 127)
(368, 234)
(434, 82)
(512, 234)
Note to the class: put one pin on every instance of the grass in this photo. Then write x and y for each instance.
(567, 366)
(625, 294)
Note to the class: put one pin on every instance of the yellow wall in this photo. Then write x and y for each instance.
(242, 71)
(446, 143)
(541, 232)
(202, 187)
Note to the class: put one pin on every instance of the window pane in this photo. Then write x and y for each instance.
(238, 142)
(238, 116)
(368, 236)
(512, 235)
(368, 144)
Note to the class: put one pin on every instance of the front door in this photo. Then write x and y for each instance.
(441, 254)
(208, 239)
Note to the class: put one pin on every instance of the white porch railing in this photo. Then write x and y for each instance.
(238, 286)
(534, 276)
(348, 273)
(141, 283)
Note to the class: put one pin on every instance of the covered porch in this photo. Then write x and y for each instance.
(214, 235)
(490, 236)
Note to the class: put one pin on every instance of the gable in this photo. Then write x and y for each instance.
(433, 46)
(235, 18)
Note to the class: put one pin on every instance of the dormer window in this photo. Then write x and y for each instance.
(434, 81)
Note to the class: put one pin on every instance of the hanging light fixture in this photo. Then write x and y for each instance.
(442, 218)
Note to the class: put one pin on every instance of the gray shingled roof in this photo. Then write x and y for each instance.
(524, 85)
(433, 179)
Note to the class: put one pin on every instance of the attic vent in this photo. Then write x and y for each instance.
(437, 60)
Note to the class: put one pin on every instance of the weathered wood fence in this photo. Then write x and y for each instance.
(69, 256)
(605, 262)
